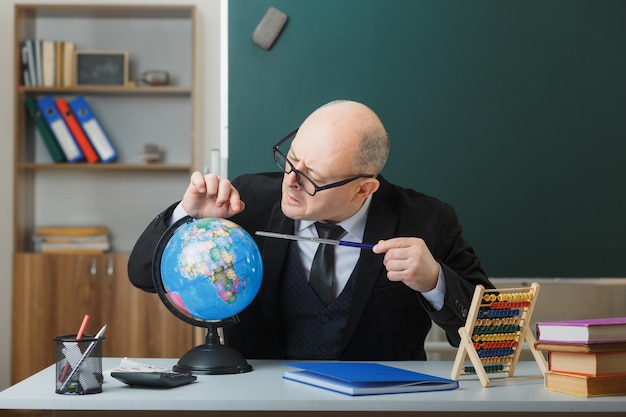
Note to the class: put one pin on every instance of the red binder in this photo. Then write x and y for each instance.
(77, 131)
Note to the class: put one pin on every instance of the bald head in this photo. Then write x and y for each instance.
(357, 129)
(340, 147)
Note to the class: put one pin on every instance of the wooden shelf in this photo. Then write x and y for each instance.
(133, 116)
(52, 292)
(32, 166)
(86, 11)
(165, 90)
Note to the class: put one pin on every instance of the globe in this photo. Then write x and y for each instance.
(206, 271)
(211, 269)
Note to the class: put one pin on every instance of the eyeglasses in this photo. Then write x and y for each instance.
(303, 181)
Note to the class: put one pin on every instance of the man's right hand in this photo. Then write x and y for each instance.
(211, 196)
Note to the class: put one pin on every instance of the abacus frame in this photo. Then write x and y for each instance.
(524, 299)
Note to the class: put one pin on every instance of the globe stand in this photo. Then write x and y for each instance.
(212, 358)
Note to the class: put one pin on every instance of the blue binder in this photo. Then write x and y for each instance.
(64, 137)
(96, 134)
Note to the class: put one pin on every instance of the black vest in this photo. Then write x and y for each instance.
(312, 330)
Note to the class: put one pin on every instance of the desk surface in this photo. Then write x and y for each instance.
(264, 389)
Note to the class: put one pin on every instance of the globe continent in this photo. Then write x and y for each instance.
(211, 269)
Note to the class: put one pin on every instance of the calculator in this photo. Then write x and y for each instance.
(159, 379)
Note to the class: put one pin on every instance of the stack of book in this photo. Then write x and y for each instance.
(48, 63)
(72, 239)
(585, 357)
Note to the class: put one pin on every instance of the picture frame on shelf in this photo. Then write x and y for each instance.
(101, 68)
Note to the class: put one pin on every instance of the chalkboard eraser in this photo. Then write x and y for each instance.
(269, 28)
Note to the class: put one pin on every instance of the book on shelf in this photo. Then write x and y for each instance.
(583, 331)
(28, 63)
(589, 364)
(38, 64)
(96, 134)
(72, 239)
(73, 251)
(58, 63)
(49, 140)
(24, 59)
(358, 378)
(77, 131)
(68, 63)
(72, 231)
(89, 247)
(48, 62)
(61, 132)
(585, 386)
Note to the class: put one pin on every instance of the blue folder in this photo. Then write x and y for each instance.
(94, 131)
(365, 378)
(61, 132)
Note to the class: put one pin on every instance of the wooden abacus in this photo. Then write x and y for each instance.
(497, 324)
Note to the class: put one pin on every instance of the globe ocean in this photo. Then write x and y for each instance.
(211, 269)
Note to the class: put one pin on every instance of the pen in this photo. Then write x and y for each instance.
(79, 335)
(91, 347)
(316, 240)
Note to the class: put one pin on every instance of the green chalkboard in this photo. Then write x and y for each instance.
(512, 111)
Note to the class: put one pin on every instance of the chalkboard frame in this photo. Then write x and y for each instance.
(86, 70)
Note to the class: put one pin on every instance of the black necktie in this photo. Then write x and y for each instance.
(323, 266)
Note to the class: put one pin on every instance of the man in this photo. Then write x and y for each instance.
(382, 300)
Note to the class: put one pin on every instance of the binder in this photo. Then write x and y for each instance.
(56, 153)
(77, 132)
(63, 135)
(93, 129)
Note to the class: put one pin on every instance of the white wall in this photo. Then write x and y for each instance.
(210, 126)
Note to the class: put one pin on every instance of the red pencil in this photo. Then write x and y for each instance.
(79, 335)
(81, 330)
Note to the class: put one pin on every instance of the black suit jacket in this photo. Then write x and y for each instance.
(387, 320)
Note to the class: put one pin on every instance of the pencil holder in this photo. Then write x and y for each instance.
(78, 364)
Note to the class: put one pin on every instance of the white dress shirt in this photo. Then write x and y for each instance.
(346, 257)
